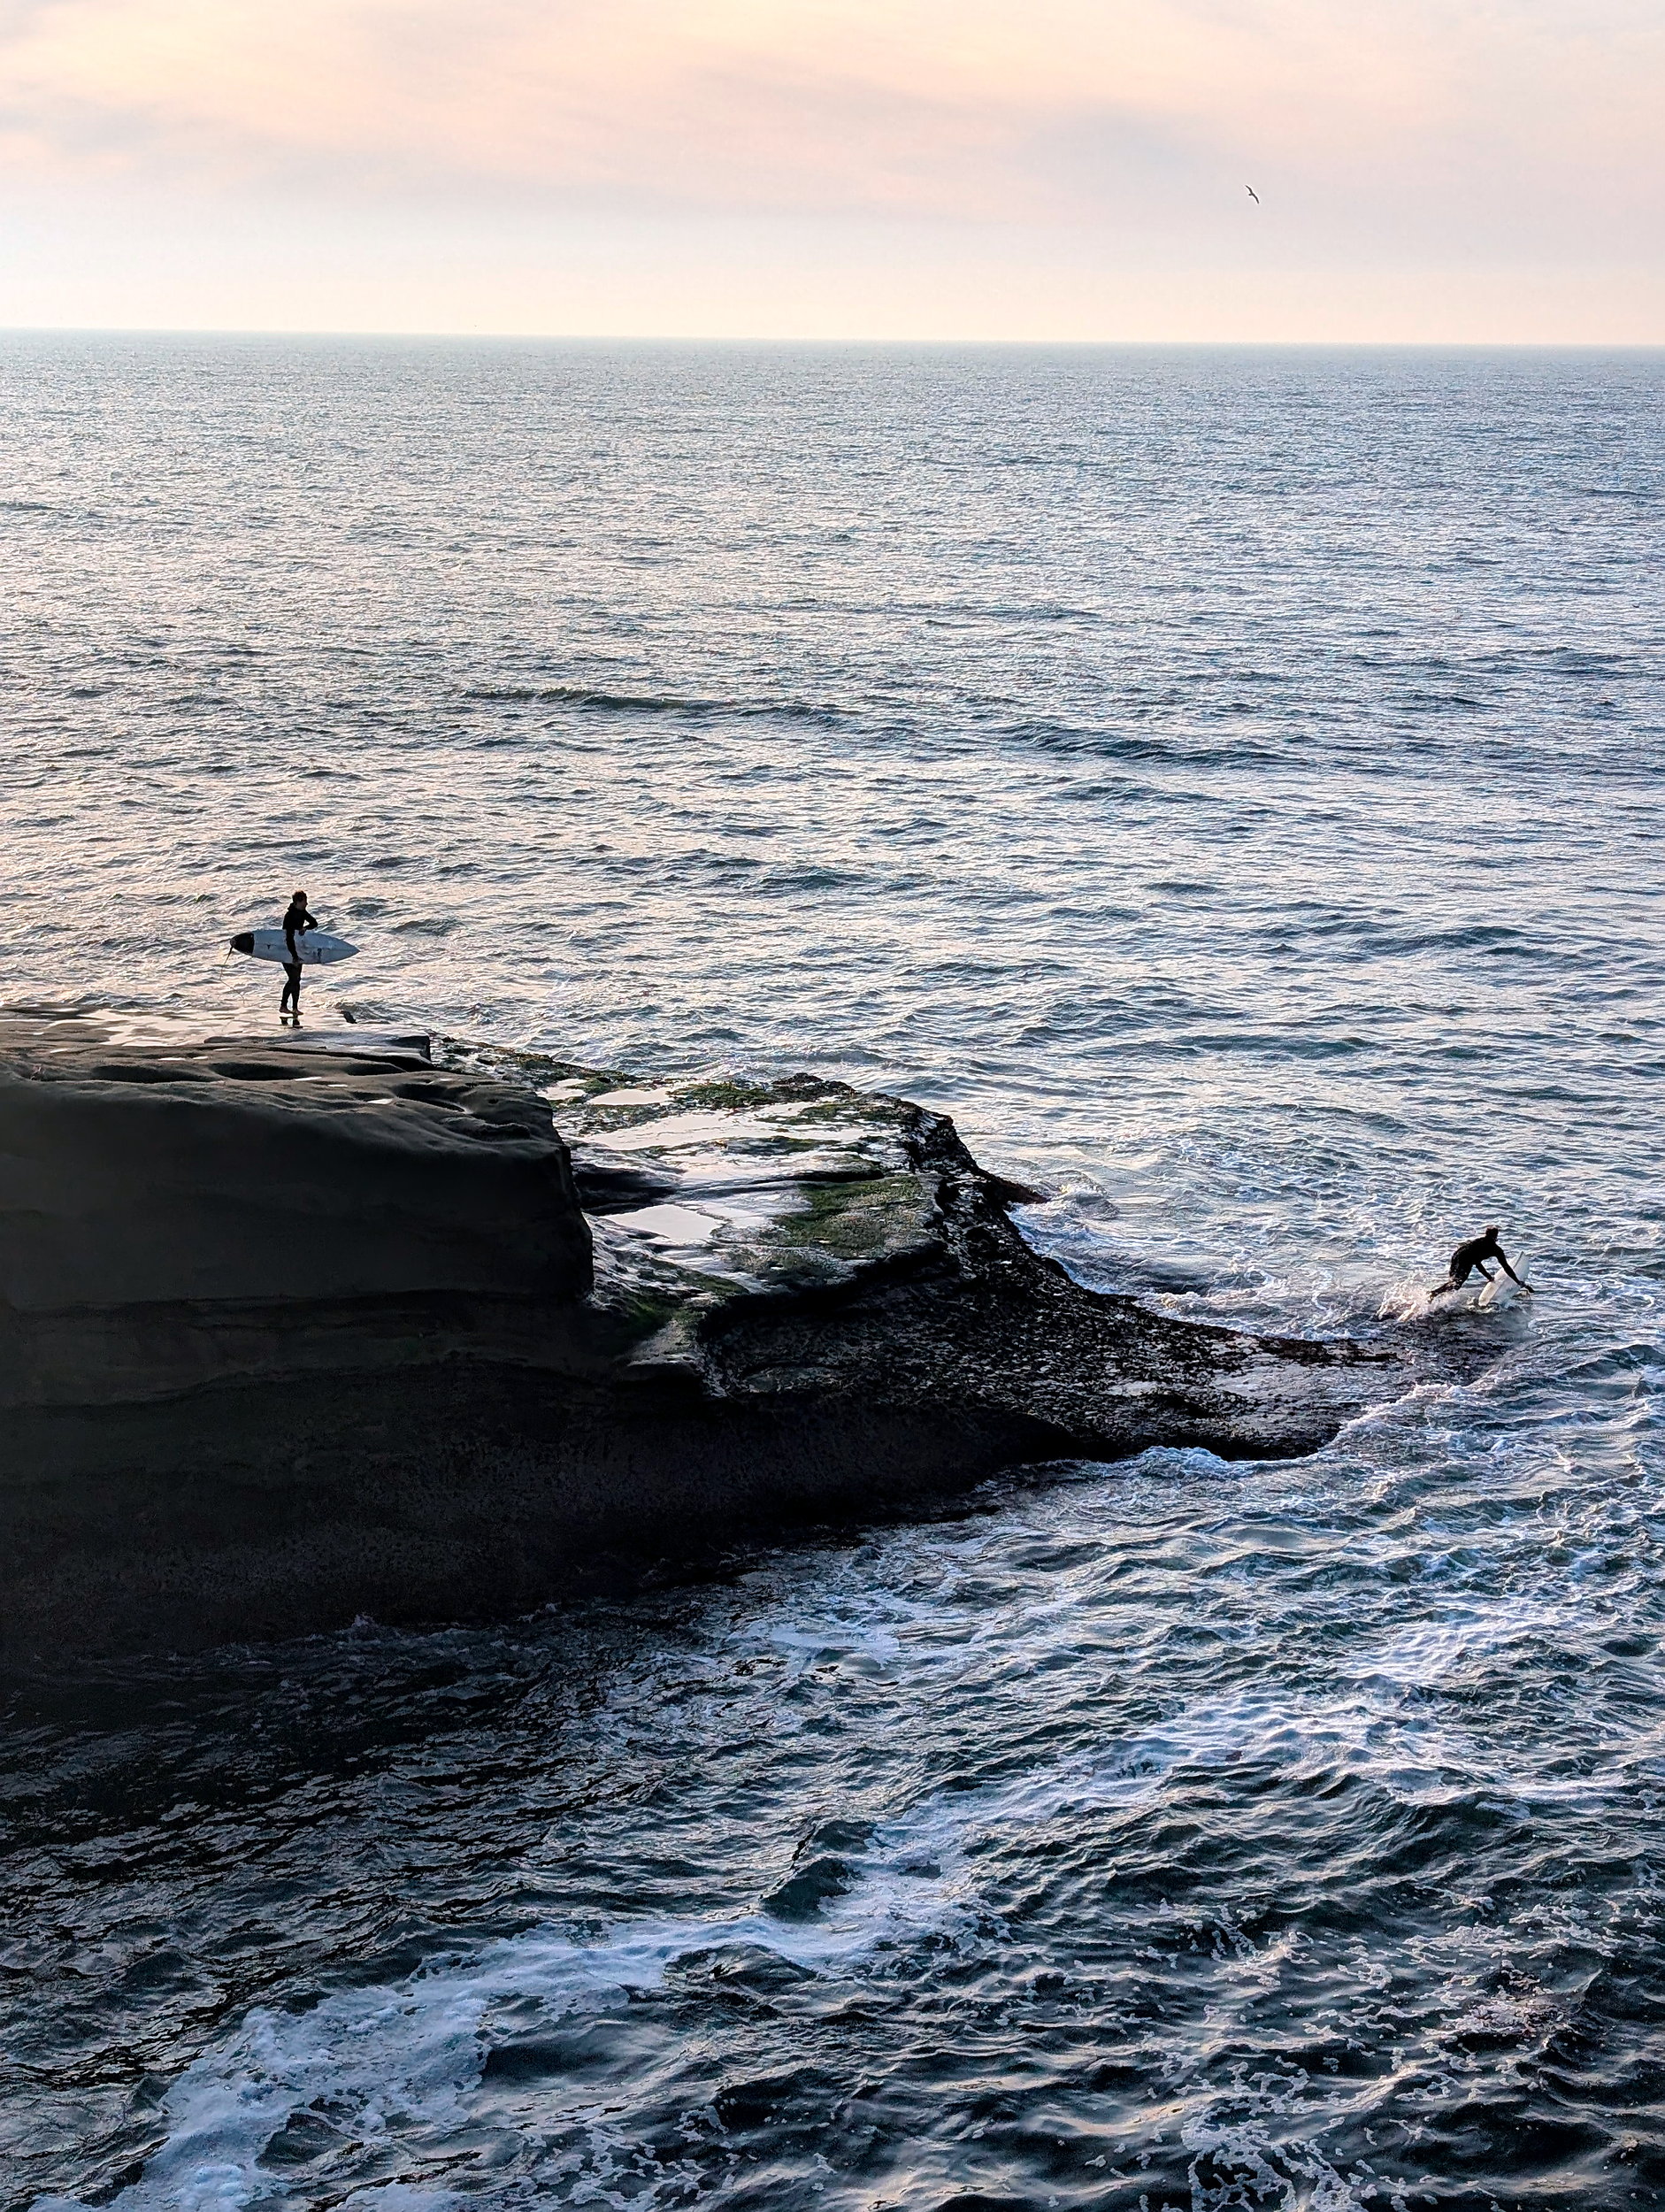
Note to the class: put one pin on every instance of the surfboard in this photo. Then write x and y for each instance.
(313, 948)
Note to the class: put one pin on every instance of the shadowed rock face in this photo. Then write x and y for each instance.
(171, 1219)
(288, 1335)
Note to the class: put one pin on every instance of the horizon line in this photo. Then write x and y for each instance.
(701, 338)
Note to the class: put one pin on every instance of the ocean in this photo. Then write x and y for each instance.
(1227, 781)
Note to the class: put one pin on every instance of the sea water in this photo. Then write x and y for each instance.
(1227, 781)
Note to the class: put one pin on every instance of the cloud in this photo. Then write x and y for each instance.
(884, 149)
(945, 108)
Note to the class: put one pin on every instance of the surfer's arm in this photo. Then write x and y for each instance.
(1480, 1264)
(1514, 1278)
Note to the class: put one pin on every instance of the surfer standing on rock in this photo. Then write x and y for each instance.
(296, 922)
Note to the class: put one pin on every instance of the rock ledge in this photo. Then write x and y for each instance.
(291, 1334)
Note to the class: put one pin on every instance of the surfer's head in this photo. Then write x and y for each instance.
(298, 898)
(1491, 1231)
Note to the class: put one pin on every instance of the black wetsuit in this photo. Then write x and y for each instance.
(296, 920)
(1468, 1257)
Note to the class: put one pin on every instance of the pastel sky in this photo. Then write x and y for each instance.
(1461, 169)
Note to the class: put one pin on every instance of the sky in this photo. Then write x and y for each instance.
(1443, 171)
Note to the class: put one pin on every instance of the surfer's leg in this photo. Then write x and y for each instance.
(292, 988)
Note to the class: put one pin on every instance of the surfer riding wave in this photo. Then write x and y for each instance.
(1471, 1259)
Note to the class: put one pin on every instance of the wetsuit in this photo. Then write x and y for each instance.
(296, 920)
(1469, 1258)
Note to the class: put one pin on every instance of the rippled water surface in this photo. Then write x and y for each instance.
(1228, 783)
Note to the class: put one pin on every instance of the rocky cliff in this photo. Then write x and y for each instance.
(288, 1335)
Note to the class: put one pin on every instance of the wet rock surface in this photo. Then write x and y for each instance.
(294, 1333)
(806, 1237)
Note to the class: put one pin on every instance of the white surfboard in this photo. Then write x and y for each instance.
(313, 948)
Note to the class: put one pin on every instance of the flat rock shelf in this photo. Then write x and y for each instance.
(291, 1333)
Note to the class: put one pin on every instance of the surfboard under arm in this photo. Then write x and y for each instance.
(313, 948)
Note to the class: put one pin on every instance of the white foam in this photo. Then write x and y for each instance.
(1264, 2170)
(409, 2053)
(865, 1641)
(1425, 1652)
(1411, 1299)
(413, 2051)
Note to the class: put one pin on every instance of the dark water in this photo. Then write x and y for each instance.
(1227, 782)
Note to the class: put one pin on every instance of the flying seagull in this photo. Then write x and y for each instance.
(1253, 193)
